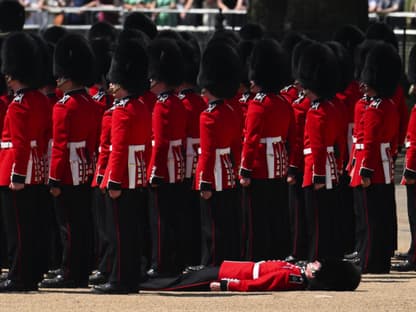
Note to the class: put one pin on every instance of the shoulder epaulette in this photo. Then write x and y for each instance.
(287, 88)
(244, 98)
(315, 104)
(181, 96)
(299, 99)
(64, 99)
(99, 95)
(260, 97)
(122, 102)
(376, 103)
(211, 107)
(162, 98)
(18, 97)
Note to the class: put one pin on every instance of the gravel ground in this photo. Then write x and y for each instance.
(390, 292)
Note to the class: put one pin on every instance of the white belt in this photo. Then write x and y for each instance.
(256, 269)
(223, 151)
(76, 144)
(386, 161)
(172, 159)
(359, 146)
(308, 151)
(6, 145)
(132, 165)
(271, 140)
(354, 139)
(407, 144)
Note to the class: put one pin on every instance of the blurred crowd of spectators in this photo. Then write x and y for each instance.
(169, 19)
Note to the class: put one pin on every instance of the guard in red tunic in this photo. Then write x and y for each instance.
(125, 176)
(374, 175)
(269, 139)
(22, 148)
(76, 123)
(215, 173)
(166, 170)
(270, 275)
(322, 137)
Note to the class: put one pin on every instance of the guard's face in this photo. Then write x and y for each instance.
(312, 268)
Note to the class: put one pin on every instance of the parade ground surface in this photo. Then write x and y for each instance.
(390, 292)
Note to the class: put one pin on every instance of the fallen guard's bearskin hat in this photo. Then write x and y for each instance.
(21, 58)
(74, 59)
(382, 69)
(12, 16)
(316, 70)
(103, 30)
(338, 275)
(251, 31)
(383, 32)
(267, 65)
(102, 52)
(137, 20)
(345, 65)
(54, 33)
(220, 70)
(129, 67)
(166, 62)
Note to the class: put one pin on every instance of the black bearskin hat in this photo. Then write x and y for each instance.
(297, 52)
(129, 67)
(103, 30)
(12, 16)
(317, 66)
(267, 65)
(383, 32)
(244, 49)
(412, 65)
(46, 77)
(220, 70)
(137, 20)
(289, 42)
(166, 62)
(227, 36)
(169, 34)
(74, 59)
(102, 52)
(53, 34)
(251, 31)
(133, 34)
(338, 275)
(21, 58)
(345, 65)
(382, 69)
(360, 56)
(350, 36)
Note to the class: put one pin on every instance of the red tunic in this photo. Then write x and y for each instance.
(410, 160)
(400, 101)
(219, 143)
(24, 139)
(76, 124)
(374, 157)
(238, 120)
(194, 105)
(3, 109)
(131, 130)
(149, 99)
(357, 137)
(290, 93)
(99, 95)
(262, 276)
(322, 135)
(300, 107)
(104, 149)
(270, 128)
(167, 162)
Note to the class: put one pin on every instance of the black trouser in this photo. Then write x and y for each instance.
(268, 219)
(20, 214)
(166, 214)
(220, 231)
(125, 240)
(411, 213)
(100, 218)
(298, 224)
(377, 205)
(346, 214)
(73, 211)
(323, 224)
